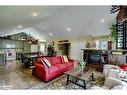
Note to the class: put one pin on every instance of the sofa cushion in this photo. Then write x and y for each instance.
(62, 66)
(53, 69)
(60, 60)
(55, 60)
(70, 64)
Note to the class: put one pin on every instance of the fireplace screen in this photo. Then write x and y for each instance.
(94, 58)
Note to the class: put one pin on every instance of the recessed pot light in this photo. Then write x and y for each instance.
(102, 20)
(20, 26)
(68, 29)
(34, 13)
(50, 34)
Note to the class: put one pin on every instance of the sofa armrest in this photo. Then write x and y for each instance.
(71, 60)
(40, 66)
(110, 82)
(42, 72)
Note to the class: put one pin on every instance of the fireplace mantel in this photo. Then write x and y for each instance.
(119, 51)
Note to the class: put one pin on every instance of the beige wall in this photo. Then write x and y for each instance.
(102, 37)
(88, 38)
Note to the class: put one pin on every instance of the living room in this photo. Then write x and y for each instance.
(63, 47)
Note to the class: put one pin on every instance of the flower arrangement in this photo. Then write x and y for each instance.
(81, 64)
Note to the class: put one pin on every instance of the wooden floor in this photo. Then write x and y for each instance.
(12, 76)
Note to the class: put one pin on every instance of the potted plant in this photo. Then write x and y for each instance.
(113, 33)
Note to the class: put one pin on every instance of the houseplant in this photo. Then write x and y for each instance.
(113, 33)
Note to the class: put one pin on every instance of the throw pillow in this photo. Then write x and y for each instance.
(113, 73)
(123, 66)
(122, 74)
(46, 63)
(64, 59)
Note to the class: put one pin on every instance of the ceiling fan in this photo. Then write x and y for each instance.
(122, 12)
(114, 8)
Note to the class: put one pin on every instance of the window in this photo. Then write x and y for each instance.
(43, 48)
(101, 44)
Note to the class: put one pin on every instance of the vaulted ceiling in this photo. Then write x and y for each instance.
(56, 22)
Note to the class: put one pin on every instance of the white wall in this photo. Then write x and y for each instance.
(34, 48)
(75, 50)
(42, 48)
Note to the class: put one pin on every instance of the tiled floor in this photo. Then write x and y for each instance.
(12, 77)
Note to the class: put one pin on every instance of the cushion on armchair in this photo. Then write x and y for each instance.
(113, 73)
(107, 67)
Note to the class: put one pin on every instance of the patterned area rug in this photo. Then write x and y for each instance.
(4, 85)
(60, 83)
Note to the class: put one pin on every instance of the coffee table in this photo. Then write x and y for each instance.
(78, 75)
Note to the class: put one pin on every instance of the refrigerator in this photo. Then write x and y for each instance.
(10, 54)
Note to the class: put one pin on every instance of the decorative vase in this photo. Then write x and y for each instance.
(81, 65)
(109, 45)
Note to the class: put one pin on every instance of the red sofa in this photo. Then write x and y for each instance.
(57, 68)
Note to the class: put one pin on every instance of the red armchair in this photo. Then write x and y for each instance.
(57, 68)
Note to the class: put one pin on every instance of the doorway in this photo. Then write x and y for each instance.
(64, 48)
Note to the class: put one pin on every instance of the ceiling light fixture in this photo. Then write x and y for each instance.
(102, 20)
(20, 26)
(34, 14)
(68, 29)
(50, 34)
